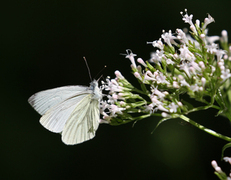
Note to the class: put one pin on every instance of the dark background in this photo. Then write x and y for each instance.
(42, 46)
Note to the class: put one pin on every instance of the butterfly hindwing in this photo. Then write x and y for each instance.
(83, 122)
(72, 111)
(55, 118)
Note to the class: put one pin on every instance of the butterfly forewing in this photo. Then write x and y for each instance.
(45, 100)
(72, 110)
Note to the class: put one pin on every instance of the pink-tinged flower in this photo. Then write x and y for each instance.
(207, 21)
(131, 56)
(175, 84)
(155, 100)
(215, 166)
(137, 75)
(203, 81)
(112, 86)
(118, 75)
(182, 36)
(141, 61)
(202, 65)
(149, 76)
(114, 109)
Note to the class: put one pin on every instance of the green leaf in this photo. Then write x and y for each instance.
(228, 145)
(162, 120)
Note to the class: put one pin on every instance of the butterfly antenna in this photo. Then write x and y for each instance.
(88, 68)
(100, 72)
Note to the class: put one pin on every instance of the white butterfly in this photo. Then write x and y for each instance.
(72, 111)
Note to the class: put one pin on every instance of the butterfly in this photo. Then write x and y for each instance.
(72, 111)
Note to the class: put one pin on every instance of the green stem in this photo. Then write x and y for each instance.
(226, 138)
(203, 108)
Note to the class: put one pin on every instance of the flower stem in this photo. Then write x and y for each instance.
(226, 138)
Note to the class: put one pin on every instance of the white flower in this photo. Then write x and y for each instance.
(158, 93)
(224, 36)
(157, 56)
(195, 66)
(162, 108)
(194, 87)
(185, 67)
(169, 38)
(225, 74)
(173, 107)
(184, 83)
(157, 43)
(219, 54)
(212, 48)
(212, 39)
(169, 61)
(149, 108)
(188, 19)
(161, 78)
(227, 159)
(164, 114)
(149, 76)
(185, 54)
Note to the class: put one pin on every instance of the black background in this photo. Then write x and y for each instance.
(42, 46)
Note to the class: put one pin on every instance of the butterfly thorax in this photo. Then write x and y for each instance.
(97, 94)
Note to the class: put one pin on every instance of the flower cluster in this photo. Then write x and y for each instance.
(120, 101)
(218, 171)
(183, 63)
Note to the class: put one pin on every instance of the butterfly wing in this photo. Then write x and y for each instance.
(56, 105)
(83, 122)
(45, 100)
